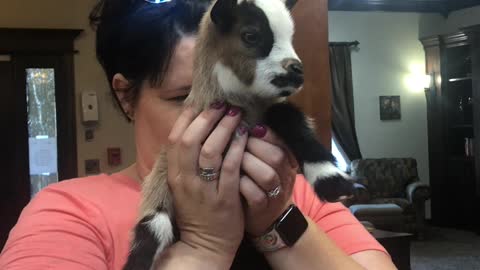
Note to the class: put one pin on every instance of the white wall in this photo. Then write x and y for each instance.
(389, 61)
(112, 129)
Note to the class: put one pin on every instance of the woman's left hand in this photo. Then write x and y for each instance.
(267, 165)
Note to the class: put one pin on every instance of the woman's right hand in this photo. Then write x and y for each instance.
(209, 215)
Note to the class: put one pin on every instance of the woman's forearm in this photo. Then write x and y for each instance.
(314, 250)
(183, 256)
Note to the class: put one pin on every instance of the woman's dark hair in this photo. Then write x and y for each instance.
(137, 38)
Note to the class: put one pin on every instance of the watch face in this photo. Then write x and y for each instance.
(291, 226)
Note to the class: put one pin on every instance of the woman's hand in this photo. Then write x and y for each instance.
(267, 165)
(209, 215)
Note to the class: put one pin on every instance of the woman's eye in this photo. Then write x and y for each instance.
(178, 98)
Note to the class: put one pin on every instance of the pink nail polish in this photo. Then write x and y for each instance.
(234, 111)
(259, 131)
(217, 105)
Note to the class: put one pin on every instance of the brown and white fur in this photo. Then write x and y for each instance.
(255, 76)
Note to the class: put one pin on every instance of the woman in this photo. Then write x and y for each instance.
(146, 51)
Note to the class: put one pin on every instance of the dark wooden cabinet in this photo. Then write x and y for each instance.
(453, 108)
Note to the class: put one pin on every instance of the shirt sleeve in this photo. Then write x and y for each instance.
(335, 220)
(57, 230)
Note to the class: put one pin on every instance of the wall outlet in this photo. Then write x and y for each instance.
(114, 156)
(89, 134)
(92, 166)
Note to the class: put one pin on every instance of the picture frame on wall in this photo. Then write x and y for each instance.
(390, 108)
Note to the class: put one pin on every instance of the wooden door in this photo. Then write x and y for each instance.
(14, 185)
(311, 44)
(37, 104)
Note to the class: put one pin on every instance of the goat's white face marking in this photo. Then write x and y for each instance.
(271, 79)
(282, 27)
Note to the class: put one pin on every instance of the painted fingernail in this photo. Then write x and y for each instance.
(234, 111)
(241, 130)
(217, 105)
(259, 131)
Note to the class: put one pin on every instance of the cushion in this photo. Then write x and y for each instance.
(387, 209)
(403, 203)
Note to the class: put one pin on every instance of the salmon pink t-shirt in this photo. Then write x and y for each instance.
(86, 223)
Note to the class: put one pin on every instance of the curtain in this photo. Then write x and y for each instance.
(343, 114)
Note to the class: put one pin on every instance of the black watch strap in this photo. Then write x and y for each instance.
(285, 232)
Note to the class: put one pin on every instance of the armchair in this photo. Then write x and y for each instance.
(391, 181)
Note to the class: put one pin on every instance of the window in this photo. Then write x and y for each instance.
(342, 160)
(42, 127)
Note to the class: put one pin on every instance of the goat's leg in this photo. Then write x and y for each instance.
(155, 230)
(318, 164)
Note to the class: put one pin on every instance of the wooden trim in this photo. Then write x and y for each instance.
(51, 41)
(437, 6)
(474, 36)
(436, 133)
(21, 155)
(455, 40)
(460, 4)
(389, 5)
(66, 117)
(448, 41)
(430, 41)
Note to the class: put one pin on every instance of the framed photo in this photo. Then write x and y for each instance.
(390, 108)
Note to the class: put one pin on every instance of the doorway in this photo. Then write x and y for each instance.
(37, 103)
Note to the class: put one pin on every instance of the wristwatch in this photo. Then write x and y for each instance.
(285, 232)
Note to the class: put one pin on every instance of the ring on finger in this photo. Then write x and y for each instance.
(274, 192)
(208, 174)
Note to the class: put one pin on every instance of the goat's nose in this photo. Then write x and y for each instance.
(293, 65)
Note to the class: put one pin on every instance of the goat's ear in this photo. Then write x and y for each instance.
(222, 14)
(290, 3)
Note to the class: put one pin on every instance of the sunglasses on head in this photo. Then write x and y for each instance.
(157, 1)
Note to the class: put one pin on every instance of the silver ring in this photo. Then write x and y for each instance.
(208, 174)
(274, 192)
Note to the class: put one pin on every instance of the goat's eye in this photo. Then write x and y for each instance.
(250, 38)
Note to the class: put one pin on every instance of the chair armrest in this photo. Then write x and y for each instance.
(418, 192)
(361, 194)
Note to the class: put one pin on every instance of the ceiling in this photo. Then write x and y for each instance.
(437, 6)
